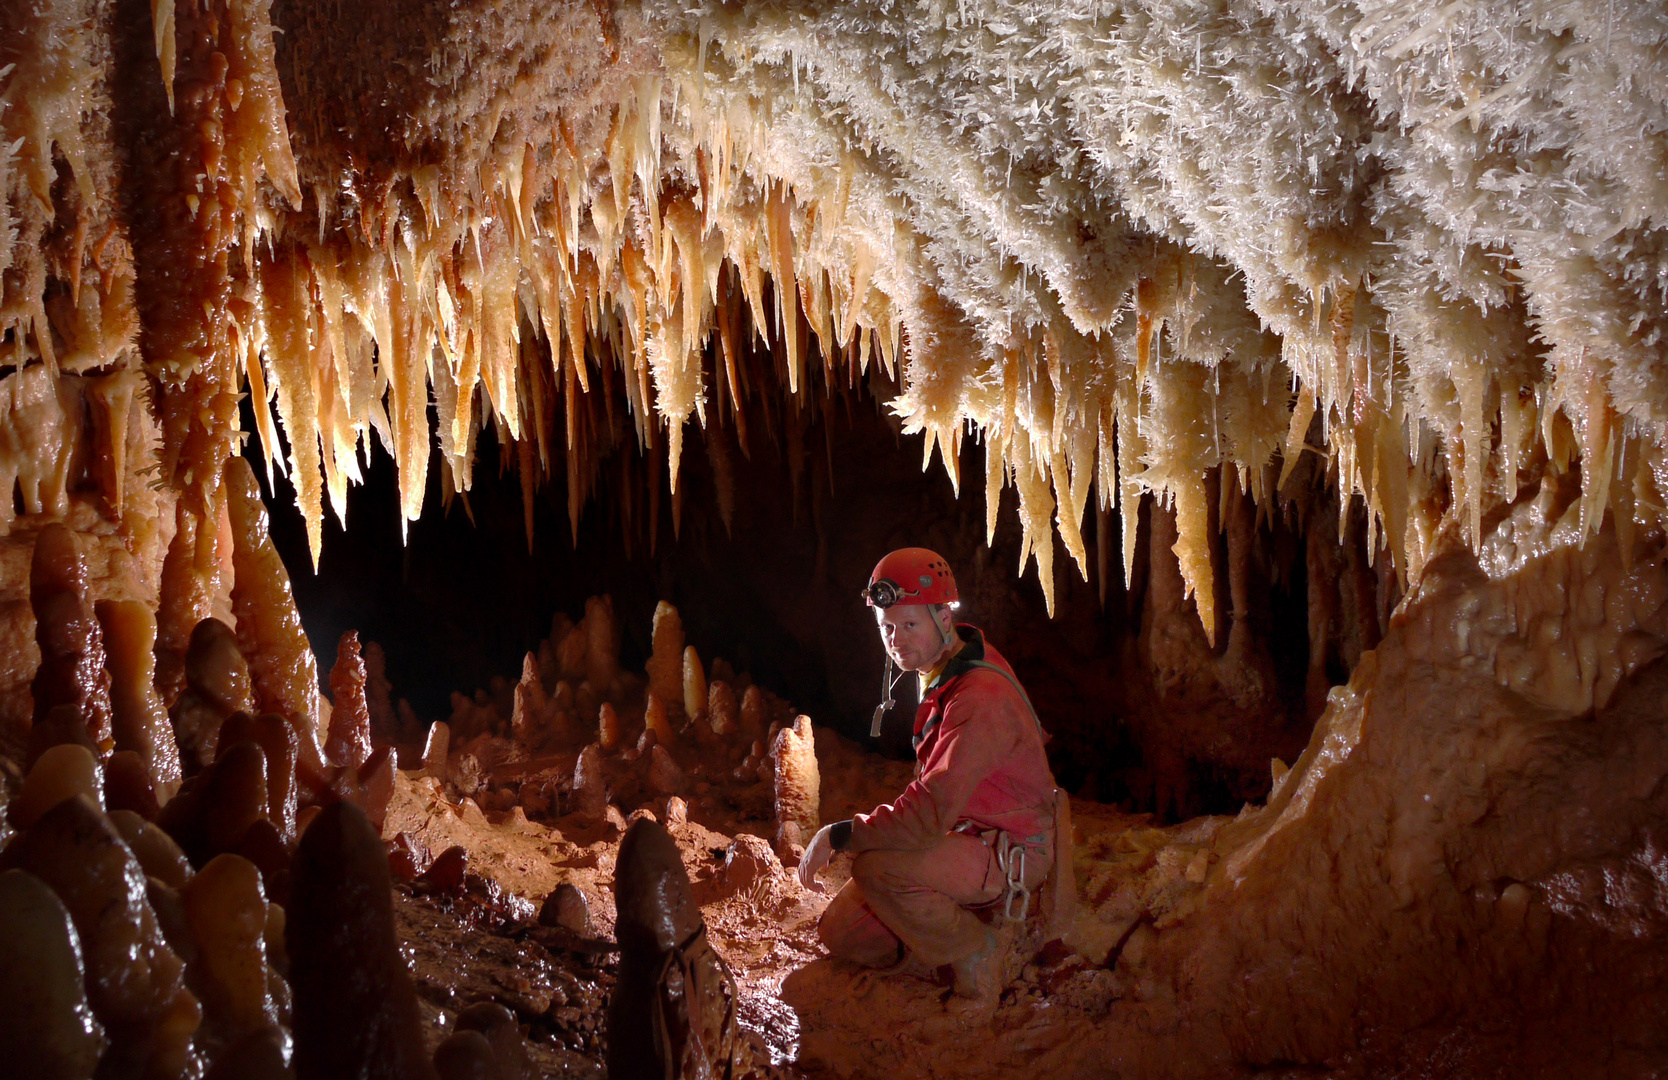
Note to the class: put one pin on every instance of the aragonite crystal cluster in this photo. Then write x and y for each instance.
(1121, 245)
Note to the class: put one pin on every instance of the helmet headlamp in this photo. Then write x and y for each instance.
(883, 593)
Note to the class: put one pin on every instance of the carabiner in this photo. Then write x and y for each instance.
(1016, 886)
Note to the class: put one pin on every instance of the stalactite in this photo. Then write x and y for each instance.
(1134, 340)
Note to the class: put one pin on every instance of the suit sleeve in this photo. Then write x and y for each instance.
(977, 734)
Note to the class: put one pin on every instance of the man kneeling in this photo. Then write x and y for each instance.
(974, 831)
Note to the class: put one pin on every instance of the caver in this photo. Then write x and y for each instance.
(973, 834)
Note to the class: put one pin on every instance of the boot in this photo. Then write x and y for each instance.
(978, 975)
(673, 1009)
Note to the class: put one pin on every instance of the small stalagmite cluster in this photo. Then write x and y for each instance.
(185, 880)
(149, 840)
(581, 740)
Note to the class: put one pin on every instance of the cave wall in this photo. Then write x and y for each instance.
(1462, 874)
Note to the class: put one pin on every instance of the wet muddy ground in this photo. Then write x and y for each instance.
(477, 937)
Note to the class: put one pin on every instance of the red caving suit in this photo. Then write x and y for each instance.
(925, 859)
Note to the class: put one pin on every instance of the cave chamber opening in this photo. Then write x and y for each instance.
(762, 551)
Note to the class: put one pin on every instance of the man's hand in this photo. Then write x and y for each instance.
(817, 854)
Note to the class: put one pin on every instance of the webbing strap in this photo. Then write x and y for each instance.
(1023, 696)
(917, 740)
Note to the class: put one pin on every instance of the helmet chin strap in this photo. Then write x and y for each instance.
(887, 682)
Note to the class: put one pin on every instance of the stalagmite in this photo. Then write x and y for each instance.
(281, 665)
(72, 671)
(437, 750)
(226, 908)
(571, 645)
(755, 717)
(386, 726)
(798, 784)
(217, 685)
(665, 666)
(277, 740)
(159, 857)
(217, 812)
(139, 722)
(449, 871)
(47, 1029)
(227, 808)
(257, 1056)
(466, 1055)
(602, 641)
(134, 981)
(340, 918)
(694, 685)
(349, 741)
(590, 786)
(128, 785)
(370, 786)
(190, 582)
(529, 721)
(664, 774)
(656, 721)
(60, 773)
(608, 727)
(500, 1028)
(649, 1024)
(723, 713)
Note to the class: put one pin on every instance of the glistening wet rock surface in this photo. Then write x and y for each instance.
(463, 950)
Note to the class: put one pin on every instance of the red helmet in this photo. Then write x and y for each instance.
(911, 576)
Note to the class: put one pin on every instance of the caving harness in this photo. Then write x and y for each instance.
(1010, 855)
(1010, 851)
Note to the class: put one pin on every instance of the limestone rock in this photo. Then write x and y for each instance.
(566, 907)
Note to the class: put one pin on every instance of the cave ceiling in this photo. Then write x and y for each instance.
(1119, 245)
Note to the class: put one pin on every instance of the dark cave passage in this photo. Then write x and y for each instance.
(1129, 689)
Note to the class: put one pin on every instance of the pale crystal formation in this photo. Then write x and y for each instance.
(1122, 246)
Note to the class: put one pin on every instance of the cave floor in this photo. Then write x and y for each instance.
(806, 1014)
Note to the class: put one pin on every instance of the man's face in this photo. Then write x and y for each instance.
(911, 637)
